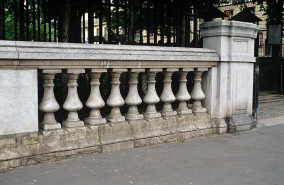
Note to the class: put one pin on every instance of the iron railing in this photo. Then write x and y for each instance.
(155, 22)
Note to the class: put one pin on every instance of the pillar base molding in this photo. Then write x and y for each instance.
(152, 116)
(198, 110)
(220, 125)
(184, 112)
(168, 113)
(130, 117)
(95, 121)
(115, 119)
(49, 126)
(70, 124)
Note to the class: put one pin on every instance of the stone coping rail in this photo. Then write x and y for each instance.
(60, 55)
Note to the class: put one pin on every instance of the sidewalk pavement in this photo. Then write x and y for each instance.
(253, 157)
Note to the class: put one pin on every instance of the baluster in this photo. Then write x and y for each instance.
(115, 99)
(197, 93)
(72, 103)
(183, 95)
(49, 104)
(167, 95)
(151, 97)
(95, 100)
(133, 99)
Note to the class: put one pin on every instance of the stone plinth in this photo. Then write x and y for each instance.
(229, 86)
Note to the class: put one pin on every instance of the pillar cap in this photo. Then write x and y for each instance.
(229, 29)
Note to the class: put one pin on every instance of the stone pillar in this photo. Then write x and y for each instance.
(183, 95)
(197, 93)
(115, 99)
(229, 86)
(72, 103)
(151, 97)
(133, 99)
(95, 101)
(49, 104)
(167, 95)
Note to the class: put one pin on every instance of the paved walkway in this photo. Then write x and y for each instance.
(270, 105)
(254, 157)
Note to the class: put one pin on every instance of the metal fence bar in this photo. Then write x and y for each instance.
(168, 22)
(34, 19)
(148, 22)
(49, 21)
(195, 26)
(44, 20)
(54, 29)
(162, 22)
(16, 19)
(155, 22)
(84, 27)
(91, 23)
(108, 28)
(141, 22)
(3, 20)
(256, 89)
(125, 18)
(38, 20)
(117, 17)
(27, 21)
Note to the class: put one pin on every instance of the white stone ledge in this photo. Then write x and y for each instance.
(33, 54)
(229, 29)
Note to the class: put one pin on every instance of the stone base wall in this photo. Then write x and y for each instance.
(56, 145)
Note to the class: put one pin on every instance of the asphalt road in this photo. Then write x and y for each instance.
(254, 157)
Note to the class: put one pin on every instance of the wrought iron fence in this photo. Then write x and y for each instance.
(144, 22)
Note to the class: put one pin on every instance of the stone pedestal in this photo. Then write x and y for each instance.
(229, 86)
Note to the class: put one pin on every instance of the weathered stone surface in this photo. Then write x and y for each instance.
(115, 133)
(241, 122)
(77, 52)
(49, 157)
(7, 143)
(220, 126)
(186, 123)
(55, 145)
(233, 40)
(203, 121)
(147, 141)
(19, 101)
(228, 87)
(187, 135)
(49, 141)
(118, 146)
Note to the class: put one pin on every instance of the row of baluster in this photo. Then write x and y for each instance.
(95, 102)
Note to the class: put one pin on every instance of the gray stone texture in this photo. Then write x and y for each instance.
(55, 145)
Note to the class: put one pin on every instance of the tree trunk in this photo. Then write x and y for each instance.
(65, 21)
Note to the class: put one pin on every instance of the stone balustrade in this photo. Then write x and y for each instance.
(31, 132)
(72, 104)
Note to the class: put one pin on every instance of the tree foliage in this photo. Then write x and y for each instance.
(69, 12)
